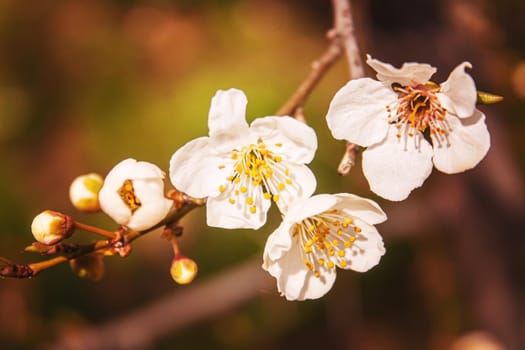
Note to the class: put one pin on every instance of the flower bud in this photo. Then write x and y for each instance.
(183, 269)
(84, 190)
(88, 266)
(50, 227)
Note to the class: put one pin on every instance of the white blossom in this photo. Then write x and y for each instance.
(133, 194)
(83, 192)
(319, 234)
(397, 115)
(242, 168)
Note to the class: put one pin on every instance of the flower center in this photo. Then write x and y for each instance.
(327, 240)
(418, 108)
(258, 175)
(127, 194)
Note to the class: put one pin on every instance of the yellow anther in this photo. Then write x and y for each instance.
(339, 232)
(309, 265)
(276, 197)
(234, 155)
(317, 274)
(335, 242)
(286, 172)
(308, 250)
(330, 264)
(357, 229)
(280, 186)
(321, 261)
(278, 144)
(249, 200)
(243, 189)
(311, 228)
(229, 178)
(342, 264)
(253, 209)
(231, 200)
(222, 188)
(336, 223)
(236, 192)
(289, 181)
(221, 166)
(237, 180)
(267, 195)
(331, 252)
(309, 243)
(348, 244)
(341, 253)
(351, 239)
(278, 158)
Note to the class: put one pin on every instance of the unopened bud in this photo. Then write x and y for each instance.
(183, 269)
(88, 266)
(84, 190)
(50, 227)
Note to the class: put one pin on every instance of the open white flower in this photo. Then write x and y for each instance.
(316, 235)
(133, 195)
(241, 168)
(394, 117)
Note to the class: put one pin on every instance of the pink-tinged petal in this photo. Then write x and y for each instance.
(363, 208)
(295, 281)
(396, 166)
(196, 170)
(409, 74)
(367, 249)
(303, 184)
(358, 113)
(468, 143)
(278, 243)
(458, 94)
(296, 141)
(309, 207)
(227, 113)
(221, 213)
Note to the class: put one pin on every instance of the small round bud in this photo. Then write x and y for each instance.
(84, 190)
(183, 270)
(50, 227)
(88, 266)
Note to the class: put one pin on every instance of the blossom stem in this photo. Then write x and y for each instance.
(9, 269)
(94, 229)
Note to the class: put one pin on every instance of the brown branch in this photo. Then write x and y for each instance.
(319, 69)
(344, 26)
(183, 205)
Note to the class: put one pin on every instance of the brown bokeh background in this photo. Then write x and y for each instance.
(87, 83)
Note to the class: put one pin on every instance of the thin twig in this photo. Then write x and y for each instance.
(319, 68)
(344, 27)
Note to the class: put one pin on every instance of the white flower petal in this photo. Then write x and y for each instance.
(154, 206)
(458, 94)
(221, 213)
(363, 208)
(306, 207)
(408, 75)
(196, 170)
(295, 139)
(302, 186)
(358, 114)
(469, 142)
(296, 282)
(227, 113)
(367, 249)
(395, 167)
(278, 243)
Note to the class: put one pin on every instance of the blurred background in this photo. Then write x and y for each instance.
(87, 83)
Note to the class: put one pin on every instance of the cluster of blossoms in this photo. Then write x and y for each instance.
(407, 123)
(243, 168)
